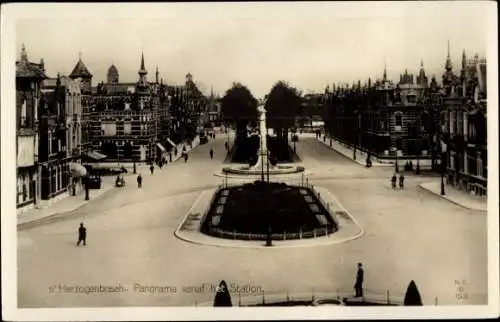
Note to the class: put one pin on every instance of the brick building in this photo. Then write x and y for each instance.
(29, 78)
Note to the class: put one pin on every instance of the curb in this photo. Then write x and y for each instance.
(377, 165)
(261, 246)
(420, 185)
(58, 215)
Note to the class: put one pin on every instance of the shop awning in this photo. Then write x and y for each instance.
(96, 155)
(161, 147)
(77, 170)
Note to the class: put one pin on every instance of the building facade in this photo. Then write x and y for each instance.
(125, 119)
(386, 119)
(29, 78)
(60, 137)
(464, 125)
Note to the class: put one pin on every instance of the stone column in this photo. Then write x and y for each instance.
(263, 135)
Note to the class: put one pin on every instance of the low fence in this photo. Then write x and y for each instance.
(256, 297)
(299, 234)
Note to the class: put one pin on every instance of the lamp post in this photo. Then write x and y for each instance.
(444, 150)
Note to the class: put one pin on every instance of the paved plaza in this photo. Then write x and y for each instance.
(409, 234)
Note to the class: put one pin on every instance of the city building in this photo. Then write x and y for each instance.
(83, 77)
(29, 78)
(60, 137)
(125, 119)
(464, 125)
(385, 119)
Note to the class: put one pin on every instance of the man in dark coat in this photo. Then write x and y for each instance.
(139, 181)
(358, 286)
(211, 154)
(82, 235)
(152, 168)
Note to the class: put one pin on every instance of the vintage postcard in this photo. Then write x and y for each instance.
(255, 160)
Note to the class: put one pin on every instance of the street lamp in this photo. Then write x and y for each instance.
(444, 150)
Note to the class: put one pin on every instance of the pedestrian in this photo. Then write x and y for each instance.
(358, 286)
(211, 154)
(152, 168)
(222, 296)
(401, 181)
(139, 181)
(185, 157)
(82, 235)
(393, 180)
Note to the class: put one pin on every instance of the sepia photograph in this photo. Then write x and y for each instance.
(205, 161)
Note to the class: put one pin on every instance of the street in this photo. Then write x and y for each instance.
(410, 235)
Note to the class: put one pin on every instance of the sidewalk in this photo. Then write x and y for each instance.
(348, 152)
(69, 203)
(65, 205)
(456, 196)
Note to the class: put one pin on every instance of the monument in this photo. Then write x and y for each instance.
(263, 167)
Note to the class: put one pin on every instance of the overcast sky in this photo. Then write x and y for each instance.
(308, 44)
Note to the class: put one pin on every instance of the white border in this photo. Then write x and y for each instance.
(11, 12)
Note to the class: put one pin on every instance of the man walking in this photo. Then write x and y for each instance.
(358, 286)
(82, 235)
(152, 168)
(139, 181)
(211, 154)
(401, 181)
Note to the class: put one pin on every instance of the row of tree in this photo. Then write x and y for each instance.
(283, 103)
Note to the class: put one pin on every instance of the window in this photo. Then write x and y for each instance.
(398, 121)
(23, 114)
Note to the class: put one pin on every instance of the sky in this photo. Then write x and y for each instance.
(309, 45)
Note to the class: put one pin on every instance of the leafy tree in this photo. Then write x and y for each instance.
(239, 107)
(282, 105)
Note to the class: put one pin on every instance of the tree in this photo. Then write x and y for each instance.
(282, 105)
(412, 296)
(239, 107)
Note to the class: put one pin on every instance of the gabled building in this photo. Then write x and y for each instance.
(29, 78)
(125, 119)
(465, 126)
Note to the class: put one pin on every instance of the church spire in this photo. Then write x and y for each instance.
(157, 75)
(448, 65)
(385, 70)
(142, 72)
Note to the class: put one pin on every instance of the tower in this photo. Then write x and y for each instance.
(81, 72)
(142, 73)
(422, 78)
(113, 75)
